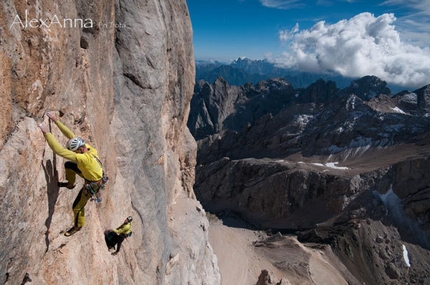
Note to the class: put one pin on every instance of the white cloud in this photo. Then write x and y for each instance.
(422, 6)
(362, 45)
(282, 4)
(413, 25)
(286, 35)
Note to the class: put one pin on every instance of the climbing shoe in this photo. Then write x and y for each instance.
(72, 231)
(65, 184)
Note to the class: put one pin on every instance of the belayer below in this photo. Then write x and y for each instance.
(116, 236)
(84, 161)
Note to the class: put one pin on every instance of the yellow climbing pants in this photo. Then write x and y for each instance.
(79, 207)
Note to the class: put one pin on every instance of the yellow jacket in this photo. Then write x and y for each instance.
(87, 162)
(123, 229)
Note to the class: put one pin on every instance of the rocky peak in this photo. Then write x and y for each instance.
(249, 102)
(253, 66)
(423, 98)
(274, 83)
(319, 92)
(213, 103)
(367, 87)
(407, 100)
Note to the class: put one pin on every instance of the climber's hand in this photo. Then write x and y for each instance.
(51, 116)
(43, 128)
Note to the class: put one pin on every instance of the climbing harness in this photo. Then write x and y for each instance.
(93, 188)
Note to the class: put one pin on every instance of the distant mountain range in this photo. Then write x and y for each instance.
(244, 70)
(344, 169)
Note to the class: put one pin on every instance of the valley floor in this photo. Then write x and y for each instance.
(242, 255)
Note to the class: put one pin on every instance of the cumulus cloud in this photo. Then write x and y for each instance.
(362, 45)
(286, 35)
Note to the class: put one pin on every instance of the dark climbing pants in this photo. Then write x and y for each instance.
(119, 242)
(113, 239)
(71, 171)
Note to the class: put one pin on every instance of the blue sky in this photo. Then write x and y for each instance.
(353, 38)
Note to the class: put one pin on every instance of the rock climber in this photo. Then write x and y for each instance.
(116, 236)
(84, 161)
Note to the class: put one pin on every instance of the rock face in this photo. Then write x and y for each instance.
(218, 106)
(423, 97)
(122, 78)
(212, 105)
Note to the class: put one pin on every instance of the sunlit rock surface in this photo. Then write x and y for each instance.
(123, 80)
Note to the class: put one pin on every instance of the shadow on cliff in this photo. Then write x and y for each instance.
(51, 176)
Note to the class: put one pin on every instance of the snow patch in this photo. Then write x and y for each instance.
(406, 256)
(331, 165)
(350, 103)
(410, 98)
(302, 120)
(398, 110)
